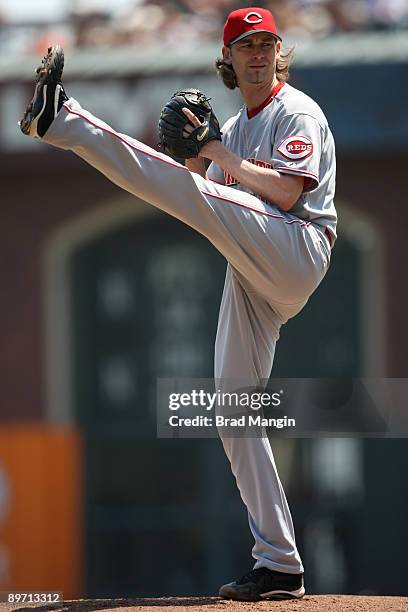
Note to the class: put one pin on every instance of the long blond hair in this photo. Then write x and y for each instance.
(227, 73)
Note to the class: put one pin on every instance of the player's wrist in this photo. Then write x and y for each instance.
(196, 164)
(212, 150)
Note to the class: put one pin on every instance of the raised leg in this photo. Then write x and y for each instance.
(276, 253)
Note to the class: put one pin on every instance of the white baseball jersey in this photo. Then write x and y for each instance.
(290, 134)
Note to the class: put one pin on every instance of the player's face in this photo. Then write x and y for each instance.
(254, 58)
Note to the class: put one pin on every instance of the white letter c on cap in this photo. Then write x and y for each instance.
(249, 17)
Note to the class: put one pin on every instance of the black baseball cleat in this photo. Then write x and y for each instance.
(264, 583)
(49, 95)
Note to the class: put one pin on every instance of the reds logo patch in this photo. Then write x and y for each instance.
(253, 17)
(296, 147)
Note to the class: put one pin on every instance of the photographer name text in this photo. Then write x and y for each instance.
(243, 421)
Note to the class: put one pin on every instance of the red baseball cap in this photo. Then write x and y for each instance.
(246, 21)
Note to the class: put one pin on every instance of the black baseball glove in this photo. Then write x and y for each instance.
(172, 121)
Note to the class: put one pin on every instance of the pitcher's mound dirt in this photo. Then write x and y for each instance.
(310, 603)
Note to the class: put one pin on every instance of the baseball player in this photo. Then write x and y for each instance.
(266, 203)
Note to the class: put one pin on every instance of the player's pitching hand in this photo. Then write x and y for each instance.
(193, 123)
